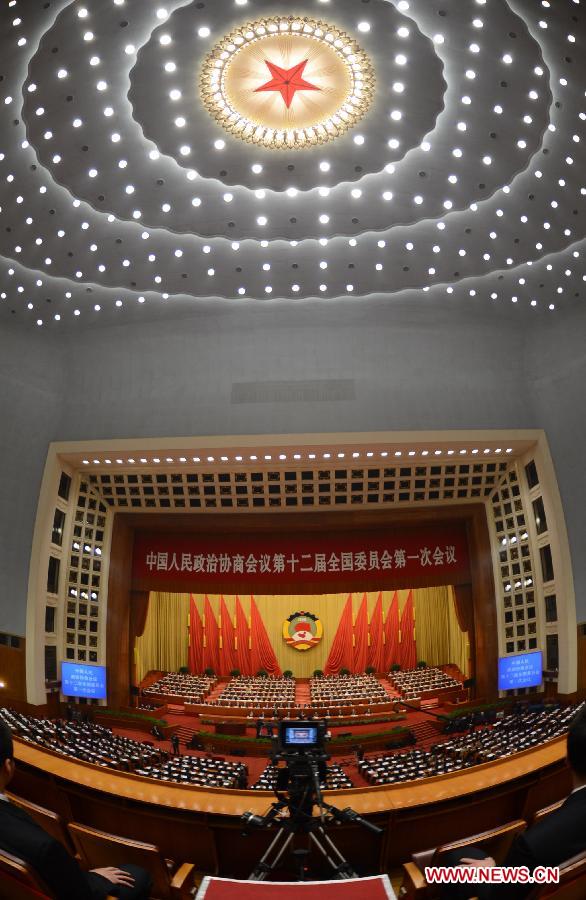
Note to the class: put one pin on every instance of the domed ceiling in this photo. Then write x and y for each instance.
(153, 156)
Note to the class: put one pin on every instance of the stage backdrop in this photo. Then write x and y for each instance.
(164, 643)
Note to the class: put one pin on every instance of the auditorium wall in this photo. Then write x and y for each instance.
(402, 368)
(556, 377)
(31, 391)
(410, 371)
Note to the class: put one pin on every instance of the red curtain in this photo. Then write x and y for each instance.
(464, 607)
(139, 607)
(211, 653)
(361, 638)
(377, 649)
(391, 655)
(262, 655)
(227, 652)
(408, 647)
(242, 640)
(341, 652)
(195, 655)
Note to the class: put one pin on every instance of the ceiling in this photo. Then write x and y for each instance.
(123, 198)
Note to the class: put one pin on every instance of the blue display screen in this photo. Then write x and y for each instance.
(521, 671)
(83, 681)
(301, 736)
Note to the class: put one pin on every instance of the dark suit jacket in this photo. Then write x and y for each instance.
(557, 838)
(22, 837)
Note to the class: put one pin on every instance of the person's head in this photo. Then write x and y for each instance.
(577, 747)
(6, 755)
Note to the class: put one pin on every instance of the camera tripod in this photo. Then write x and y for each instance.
(293, 815)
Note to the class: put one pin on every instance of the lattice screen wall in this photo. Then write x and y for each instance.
(287, 488)
(516, 584)
(86, 603)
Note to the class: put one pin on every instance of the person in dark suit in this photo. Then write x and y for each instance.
(558, 837)
(22, 837)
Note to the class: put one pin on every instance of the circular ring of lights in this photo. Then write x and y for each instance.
(121, 196)
(336, 78)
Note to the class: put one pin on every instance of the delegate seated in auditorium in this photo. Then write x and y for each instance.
(22, 837)
(552, 841)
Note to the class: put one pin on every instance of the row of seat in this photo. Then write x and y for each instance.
(99, 746)
(519, 731)
(336, 779)
(193, 687)
(344, 689)
(496, 843)
(94, 849)
(176, 881)
(412, 683)
(245, 690)
(198, 770)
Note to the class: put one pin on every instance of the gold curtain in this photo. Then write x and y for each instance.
(165, 639)
(438, 635)
(164, 642)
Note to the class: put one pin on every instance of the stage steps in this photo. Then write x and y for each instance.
(426, 732)
(302, 692)
(389, 688)
(215, 692)
(185, 733)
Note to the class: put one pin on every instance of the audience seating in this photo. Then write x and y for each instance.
(98, 849)
(571, 886)
(197, 770)
(336, 779)
(19, 882)
(246, 691)
(190, 688)
(542, 813)
(98, 745)
(344, 690)
(49, 821)
(496, 842)
(519, 731)
(412, 684)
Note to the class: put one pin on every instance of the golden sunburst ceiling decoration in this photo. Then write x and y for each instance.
(287, 83)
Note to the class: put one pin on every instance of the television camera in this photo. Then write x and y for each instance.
(299, 754)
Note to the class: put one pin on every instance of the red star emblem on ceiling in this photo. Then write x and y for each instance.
(287, 81)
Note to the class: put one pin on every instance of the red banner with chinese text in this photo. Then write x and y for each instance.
(359, 559)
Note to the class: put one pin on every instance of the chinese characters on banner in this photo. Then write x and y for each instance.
(250, 560)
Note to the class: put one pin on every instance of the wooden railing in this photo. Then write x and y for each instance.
(196, 824)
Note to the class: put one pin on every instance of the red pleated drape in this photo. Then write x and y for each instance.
(408, 647)
(242, 640)
(391, 655)
(376, 650)
(262, 655)
(211, 653)
(195, 654)
(361, 638)
(227, 650)
(341, 652)
(464, 606)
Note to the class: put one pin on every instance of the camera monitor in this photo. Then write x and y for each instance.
(301, 735)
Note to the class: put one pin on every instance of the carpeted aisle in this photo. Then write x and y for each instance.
(377, 887)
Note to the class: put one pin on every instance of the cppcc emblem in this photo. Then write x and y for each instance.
(302, 630)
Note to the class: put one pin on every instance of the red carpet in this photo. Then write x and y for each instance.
(376, 888)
